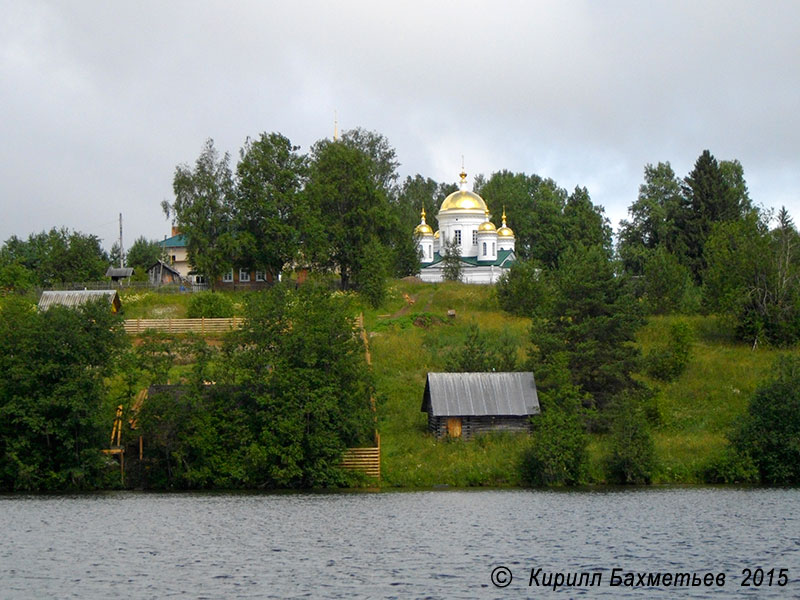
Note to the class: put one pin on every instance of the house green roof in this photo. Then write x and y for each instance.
(176, 241)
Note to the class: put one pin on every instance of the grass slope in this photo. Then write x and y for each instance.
(412, 334)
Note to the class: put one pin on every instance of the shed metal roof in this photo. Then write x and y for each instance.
(480, 394)
(74, 298)
(119, 271)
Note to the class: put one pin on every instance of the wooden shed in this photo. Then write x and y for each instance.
(161, 272)
(465, 404)
(119, 273)
(74, 298)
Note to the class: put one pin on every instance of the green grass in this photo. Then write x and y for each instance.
(412, 334)
(407, 341)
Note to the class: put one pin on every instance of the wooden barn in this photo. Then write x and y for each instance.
(160, 273)
(465, 404)
(78, 297)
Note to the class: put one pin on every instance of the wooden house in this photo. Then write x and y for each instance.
(465, 404)
(74, 298)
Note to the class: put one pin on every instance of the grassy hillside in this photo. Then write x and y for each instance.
(412, 334)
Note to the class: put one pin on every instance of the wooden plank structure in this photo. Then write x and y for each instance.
(366, 460)
(201, 325)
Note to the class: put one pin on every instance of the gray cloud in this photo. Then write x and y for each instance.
(102, 100)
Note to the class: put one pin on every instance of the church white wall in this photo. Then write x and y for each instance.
(465, 223)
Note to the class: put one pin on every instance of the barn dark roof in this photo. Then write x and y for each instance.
(480, 394)
(166, 266)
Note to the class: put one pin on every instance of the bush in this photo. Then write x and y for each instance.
(731, 467)
(210, 305)
(670, 362)
(557, 453)
(632, 458)
(770, 431)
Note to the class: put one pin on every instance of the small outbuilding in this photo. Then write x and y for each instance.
(119, 273)
(465, 404)
(74, 298)
(160, 273)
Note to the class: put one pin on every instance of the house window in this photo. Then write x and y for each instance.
(474, 236)
(484, 248)
(228, 277)
(199, 279)
(244, 276)
(174, 258)
(261, 275)
(457, 236)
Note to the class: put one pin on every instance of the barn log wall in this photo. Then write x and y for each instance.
(471, 426)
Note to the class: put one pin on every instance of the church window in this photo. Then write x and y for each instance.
(493, 248)
(474, 236)
(430, 251)
(457, 235)
(484, 248)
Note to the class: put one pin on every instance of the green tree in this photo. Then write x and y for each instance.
(299, 355)
(451, 260)
(652, 218)
(632, 459)
(666, 281)
(269, 210)
(523, 291)
(754, 278)
(382, 155)
(586, 223)
(711, 195)
(53, 370)
(142, 254)
(536, 209)
(770, 431)
(351, 210)
(203, 212)
(590, 328)
(557, 451)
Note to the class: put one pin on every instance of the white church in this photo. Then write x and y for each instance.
(485, 251)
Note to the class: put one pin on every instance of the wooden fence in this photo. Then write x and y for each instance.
(202, 325)
(365, 460)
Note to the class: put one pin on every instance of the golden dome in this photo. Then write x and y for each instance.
(436, 235)
(487, 225)
(463, 200)
(423, 228)
(505, 230)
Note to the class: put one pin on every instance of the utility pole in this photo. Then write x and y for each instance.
(121, 251)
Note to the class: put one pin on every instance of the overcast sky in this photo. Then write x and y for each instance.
(100, 101)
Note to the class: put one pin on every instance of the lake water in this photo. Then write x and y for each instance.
(429, 544)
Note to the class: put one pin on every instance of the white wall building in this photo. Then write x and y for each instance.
(464, 222)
